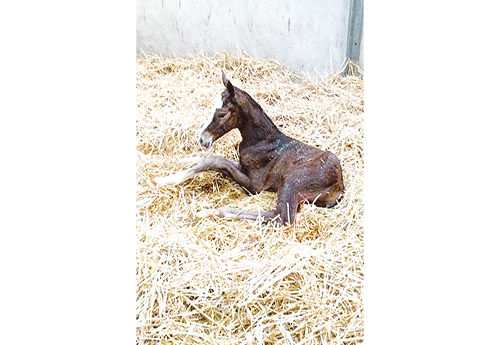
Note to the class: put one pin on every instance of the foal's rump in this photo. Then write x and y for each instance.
(316, 177)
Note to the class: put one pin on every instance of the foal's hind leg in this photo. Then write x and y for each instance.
(234, 213)
(287, 208)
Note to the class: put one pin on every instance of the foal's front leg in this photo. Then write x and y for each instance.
(218, 163)
(180, 176)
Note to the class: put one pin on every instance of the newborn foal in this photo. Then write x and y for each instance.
(269, 160)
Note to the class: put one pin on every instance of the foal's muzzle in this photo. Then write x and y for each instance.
(206, 139)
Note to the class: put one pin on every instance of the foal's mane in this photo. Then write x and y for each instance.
(256, 106)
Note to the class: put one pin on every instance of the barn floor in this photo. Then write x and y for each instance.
(218, 281)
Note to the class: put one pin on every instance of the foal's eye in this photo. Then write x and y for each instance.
(221, 114)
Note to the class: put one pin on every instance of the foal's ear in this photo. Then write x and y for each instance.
(228, 84)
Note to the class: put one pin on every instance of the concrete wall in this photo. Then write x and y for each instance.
(304, 35)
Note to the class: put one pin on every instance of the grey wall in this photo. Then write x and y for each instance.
(304, 35)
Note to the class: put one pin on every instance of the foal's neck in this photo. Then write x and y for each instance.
(254, 124)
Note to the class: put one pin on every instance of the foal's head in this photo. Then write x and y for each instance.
(225, 115)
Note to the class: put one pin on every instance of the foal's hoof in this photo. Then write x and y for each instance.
(209, 212)
(171, 180)
(191, 160)
(223, 212)
(161, 181)
(204, 213)
(219, 212)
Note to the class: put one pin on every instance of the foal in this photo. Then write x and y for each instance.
(269, 160)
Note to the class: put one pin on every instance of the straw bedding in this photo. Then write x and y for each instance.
(219, 281)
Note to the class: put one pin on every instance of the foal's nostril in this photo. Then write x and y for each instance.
(205, 140)
(205, 144)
